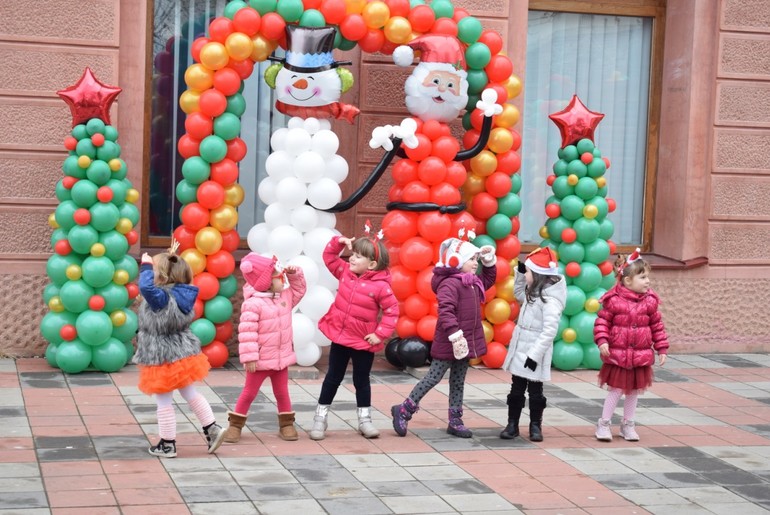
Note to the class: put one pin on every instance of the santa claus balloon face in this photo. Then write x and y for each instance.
(436, 92)
(308, 89)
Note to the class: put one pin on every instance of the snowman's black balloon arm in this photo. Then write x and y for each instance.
(486, 128)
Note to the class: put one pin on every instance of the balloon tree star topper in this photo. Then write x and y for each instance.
(89, 98)
(576, 122)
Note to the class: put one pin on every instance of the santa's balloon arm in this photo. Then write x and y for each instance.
(370, 181)
(486, 128)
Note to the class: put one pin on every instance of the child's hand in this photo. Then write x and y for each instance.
(486, 249)
(251, 366)
(662, 359)
(604, 350)
(290, 269)
(146, 258)
(372, 339)
(348, 242)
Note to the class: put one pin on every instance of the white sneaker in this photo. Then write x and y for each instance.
(628, 431)
(603, 431)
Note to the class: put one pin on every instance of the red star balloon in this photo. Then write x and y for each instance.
(89, 98)
(576, 122)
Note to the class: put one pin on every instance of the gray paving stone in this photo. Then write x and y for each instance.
(89, 379)
(704, 464)
(86, 454)
(743, 508)
(457, 486)
(309, 462)
(419, 504)
(330, 475)
(436, 472)
(668, 376)
(121, 447)
(337, 490)
(275, 492)
(398, 488)
(626, 481)
(732, 477)
(182, 464)
(680, 452)
(680, 509)
(678, 479)
(760, 493)
(221, 479)
(290, 506)
(12, 411)
(195, 494)
(705, 495)
(42, 380)
(652, 496)
(20, 484)
(19, 470)
(487, 503)
(230, 508)
(20, 500)
(730, 360)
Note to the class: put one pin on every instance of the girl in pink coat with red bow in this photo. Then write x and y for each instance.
(629, 331)
(266, 341)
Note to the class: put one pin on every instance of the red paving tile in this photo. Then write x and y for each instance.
(72, 498)
(538, 501)
(547, 468)
(78, 430)
(115, 430)
(163, 509)
(43, 421)
(101, 510)
(701, 441)
(509, 484)
(144, 495)
(131, 480)
(83, 482)
(53, 469)
(24, 456)
(485, 471)
(482, 456)
(565, 511)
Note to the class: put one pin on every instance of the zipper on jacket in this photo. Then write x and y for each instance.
(349, 305)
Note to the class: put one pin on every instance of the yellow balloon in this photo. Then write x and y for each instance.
(73, 272)
(513, 86)
(569, 335)
(497, 311)
(55, 304)
(132, 195)
(188, 101)
(543, 232)
(508, 118)
(475, 361)
(489, 332)
(398, 30)
(500, 140)
(375, 14)
(484, 163)
(84, 161)
(572, 179)
(239, 46)
(601, 182)
(473, 184)
(214, 55)
(52, 221)
(505, 289)
(208, 240)
(195, 259)
(98, 249)
(224, 218)
(124, 225)
(198, 77)
(234, 194)
(590, 211)
(118, 317)
(592, 305)
(115, 164)
(261, 48)
(354, 6)
(120, 277)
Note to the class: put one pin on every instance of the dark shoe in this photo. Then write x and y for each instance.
(515, 405)
(215, 435)
(511, 431)
(456, 426)
(536, 408)
(164, 449)
(535, 432)
(402, 414)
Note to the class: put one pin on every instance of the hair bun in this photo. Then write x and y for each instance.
(173, 258)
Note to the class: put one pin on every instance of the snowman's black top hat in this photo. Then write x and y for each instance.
(309, 49)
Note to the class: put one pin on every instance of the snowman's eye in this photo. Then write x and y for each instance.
(310, 77)
(293, 76)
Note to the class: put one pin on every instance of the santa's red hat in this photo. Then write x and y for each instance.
(543, 261)
(258, 270)
(433, 48)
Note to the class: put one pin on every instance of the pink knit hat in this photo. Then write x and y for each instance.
(258, 270)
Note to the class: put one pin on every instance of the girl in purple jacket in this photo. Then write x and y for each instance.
(629, 331)
(459, 334)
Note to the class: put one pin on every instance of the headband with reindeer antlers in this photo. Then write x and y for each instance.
(374, 239)
(174, 246)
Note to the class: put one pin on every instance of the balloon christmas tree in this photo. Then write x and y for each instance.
(89, 323)
(579, 231)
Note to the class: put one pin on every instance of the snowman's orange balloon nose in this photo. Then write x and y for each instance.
(300, 84)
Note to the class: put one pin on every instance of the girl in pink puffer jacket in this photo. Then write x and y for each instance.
(629, 331)
(266, 342)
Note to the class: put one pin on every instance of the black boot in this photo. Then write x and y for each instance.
(515, 405)
(536, 407)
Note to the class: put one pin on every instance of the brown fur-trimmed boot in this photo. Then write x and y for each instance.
(287, 430)
(233, 432)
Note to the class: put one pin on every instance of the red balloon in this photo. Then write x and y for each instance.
(311, 4)
(248, 21)
(508, 162)
(481, 226)
(516, 139)
(445, 26)
(404, 171)
(445, 148)
(606, 267)
(372, 41)
(606, 162)
(195, 216)
(416, 253)
(502, 93)
(611, 205)
(211, 194)
(432, 129)
(498, 184)
(495, 356)
(62, 247)
(499, 68)
(550, 180)
(416, 306)
(421, 18)
(212, 103)
(423, 284)
(445, 194)
(185, 236)
(353, 27)
(227, 81)
(576, 122)
(456, 174)
(217, 353)
(393, 252)
(477, 119)
(68, 181)
(195, 48)
(231, 240)
(68, 332)
(423, 149)
(70, 143)
(493, 40)
(224, 331)
(221, 264)
(133, 290)
(515, 225)
(104, 194)
(334, 11)
(490, 294)
(188, 146)
(225, 172)
(198, 125)
(509, 247)
(272, 26)
(434, 226)
(208, 285)
(220, 28)
(503, 332)
(553, 210)
(97, 139)
(132, 237)
(82, 216)
(483, 205)
(431, 170)
(236, 149)
(406, 327)
(470, 138)
(399, 226)
(198, 308)
(244, 68)
(568, 235)
(465, 221)
(403, 281)
(572, 269)
(96, 303)
(395, 193)
(426, 327)
(612, 246)
(459, 14)
(416, 191)
(398, 7)
(502, 269)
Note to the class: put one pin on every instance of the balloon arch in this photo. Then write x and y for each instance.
(248, 33)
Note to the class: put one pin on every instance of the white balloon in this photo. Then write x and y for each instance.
(308, 356)
(308, 266)
(325, 143)
(295, 122)
(303, 330)
(276, 214)
(316, 302)
(321, 339)
(278, 165)
(285, 242)
(326, 279)
(278, 139)
(297, 141)
(304, 218)
(325, 219)
(337, 168)
(291, 192)
(315, 242)
(323, 193)
(309, 166)
(257, 238)
(266, 190)
(325, 124)
(312, 125)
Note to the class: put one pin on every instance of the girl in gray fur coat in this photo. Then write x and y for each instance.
(168, 353)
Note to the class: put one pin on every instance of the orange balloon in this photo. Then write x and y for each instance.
(505, 289)
(224, 218)
(214, 55)
(354, 6)
(188, 101)
(474, 184)
(488, 331)
(500, 140)
(208, 240)
(484, 164)
(195, 259)
(198, 77)
(497, 311)
(375, 14)
(398, 30)
(234, 194)
(261, 48)
(508, 118)
(239, 46)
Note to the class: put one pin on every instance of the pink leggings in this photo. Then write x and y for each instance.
(279, 379)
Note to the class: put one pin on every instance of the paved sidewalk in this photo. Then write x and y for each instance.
(78, 445)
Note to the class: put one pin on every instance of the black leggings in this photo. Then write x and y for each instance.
(519, 385)
(339, 355)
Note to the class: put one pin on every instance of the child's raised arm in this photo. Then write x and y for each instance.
(157, 298)
(331, 255)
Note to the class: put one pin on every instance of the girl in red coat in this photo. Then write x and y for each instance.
(362, 317)
(629, 331)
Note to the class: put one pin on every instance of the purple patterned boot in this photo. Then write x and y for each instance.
(402, 414)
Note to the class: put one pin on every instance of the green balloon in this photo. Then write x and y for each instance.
(128, 264)
(499, 226)
(586, 188)
(567, 356)
(509, 205)
(82, 237)
(110, 133)
(263, 6)
(484, 239)
(129, 349)
(548, 243)
(472, 100)
(228, 286)
(442, 8)
(104, 216)
(477, 56)
(79, 132)
(344, 44)
(577, 167)
(585, 145)
(601, 207)
(131, 212)
(560, 167)
(196, 170)
(596, 168)
(563, 324)
(592, 360)
(236, 104)
(589, 278)
(95, 126)
(290, 10)
(73, 357)
(570, 153)
(213, 149)
(204, 330)
(61, 192)
(115, 296)
(469, 30)
(57, 235)
(569, 252)
(608, 281)
(71, 168)
(84, 193)
(98, 271)
(109, 356)
(602, 191)
(63, 214)
(122, 171)
(233, 7)
(85, 147)
(312, 18)
(606, 228)
(108, 151)
(227, 125)
(561, 187)
(597, 251)
(583, 324)
(576, 298)
(115, 244)
(587, 230)
(127, 331)
(467, 125)
(516, 183)
(477, 81)
(186, 192)
(50, 354)
(75, 295)
(218, 310)
(572, 207)
(56, 267)
(94, 327)
(99, 172)
(119, 189)
(50, 290)
(53, 322)
(555, 227)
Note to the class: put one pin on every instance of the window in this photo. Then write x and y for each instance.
(176, 25)
(607, 60)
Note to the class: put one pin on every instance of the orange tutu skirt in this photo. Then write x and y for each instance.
(635, 379)
(173, 376)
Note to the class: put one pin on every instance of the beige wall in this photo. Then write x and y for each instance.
(712, 197)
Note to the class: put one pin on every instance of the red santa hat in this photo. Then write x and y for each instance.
(634, 256)
(433, 48)
(258, 270)
(543, 261)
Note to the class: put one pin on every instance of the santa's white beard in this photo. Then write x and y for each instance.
(421, 101)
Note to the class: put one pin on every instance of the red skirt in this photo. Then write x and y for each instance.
(173, 376)
(629, 380)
